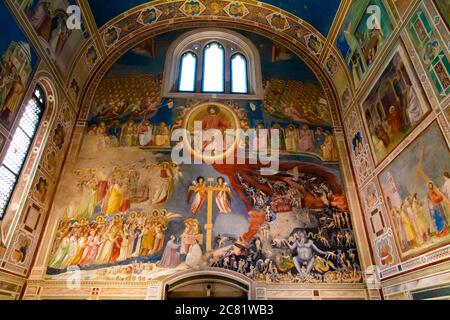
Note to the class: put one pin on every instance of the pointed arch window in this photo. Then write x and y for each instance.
(239, 74)
(216, 63)
(188, 67)
(213, 79)
(22, 139)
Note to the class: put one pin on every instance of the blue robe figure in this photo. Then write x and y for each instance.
(114, 134)
(436, 200)
(437, 214)
(137, 233)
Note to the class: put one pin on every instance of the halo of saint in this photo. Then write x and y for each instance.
(208, 118)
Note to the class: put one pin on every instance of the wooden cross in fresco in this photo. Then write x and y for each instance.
(209, 215)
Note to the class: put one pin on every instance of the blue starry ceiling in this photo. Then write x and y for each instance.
(318, 13)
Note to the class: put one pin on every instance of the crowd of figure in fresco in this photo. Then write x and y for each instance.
(418, 223)
(293, 138)
(128, 96)
(131, 134)
(296, 101)
(116, 191)
(105, 230)
(123, 108)
(105, 241)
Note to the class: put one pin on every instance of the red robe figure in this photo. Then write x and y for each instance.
(395, 119)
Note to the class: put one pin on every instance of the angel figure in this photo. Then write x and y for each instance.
(199, 188)
(223, 196)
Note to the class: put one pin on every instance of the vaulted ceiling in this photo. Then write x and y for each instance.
(309, 28)
(114, 24)
(320, 14)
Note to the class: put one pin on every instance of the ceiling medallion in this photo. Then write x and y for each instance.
(300, 33)
(111, 36)
(91, 56)
(192, 8)
(236, 9)
(278, 21)
(313, 43)
(214, 7)
(331, 65)
(149, 16)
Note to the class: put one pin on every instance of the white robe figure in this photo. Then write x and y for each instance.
(164, 188)
(60, 256)
(124, 248)
(194, 258)
(145, 134)
(292, 138)
(73, 249)
(106, 250)
(446, 188)
(199, 200)
(414, 111)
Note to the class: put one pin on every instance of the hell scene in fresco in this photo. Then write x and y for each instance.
(363, 36)
(416, 187)
(17, 62)
(133, 213)
(393, 107)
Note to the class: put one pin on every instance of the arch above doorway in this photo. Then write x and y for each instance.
(229, 284)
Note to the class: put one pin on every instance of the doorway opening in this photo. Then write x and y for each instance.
(207, 287)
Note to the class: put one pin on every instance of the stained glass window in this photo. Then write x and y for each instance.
(188, 68)
(20, 145)
(214, 68)
(239, 81)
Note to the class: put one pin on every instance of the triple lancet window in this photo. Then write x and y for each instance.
(213, 70)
